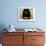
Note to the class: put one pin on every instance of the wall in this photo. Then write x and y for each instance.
(9, 13)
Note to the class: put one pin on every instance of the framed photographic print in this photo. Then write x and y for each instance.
(26, 14)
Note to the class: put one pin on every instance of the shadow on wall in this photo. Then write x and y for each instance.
(2, 26)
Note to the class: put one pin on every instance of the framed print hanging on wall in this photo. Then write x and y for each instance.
(26, 14)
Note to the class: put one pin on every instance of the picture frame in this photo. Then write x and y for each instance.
(26, 14)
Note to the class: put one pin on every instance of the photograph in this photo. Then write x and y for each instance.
(26, 14)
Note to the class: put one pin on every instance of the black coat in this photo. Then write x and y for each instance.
(26, 13)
